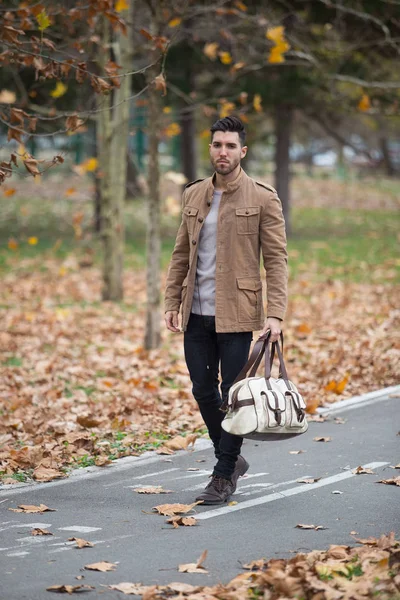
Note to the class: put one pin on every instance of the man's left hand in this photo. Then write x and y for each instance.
(274, 325)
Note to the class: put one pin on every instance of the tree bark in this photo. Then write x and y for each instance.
(152, 335)
(112, 148)
(188, 143)
(283, 131)
(386, 158)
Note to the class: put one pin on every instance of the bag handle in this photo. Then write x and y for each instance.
(256, 355)
(282, 367)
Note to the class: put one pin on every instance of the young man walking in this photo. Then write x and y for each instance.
(214, 278)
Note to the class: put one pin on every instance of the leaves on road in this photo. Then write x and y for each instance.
(309, 480)
(361, 470)
(196, 567)
(42, 473)
(316, 527)
(101, 566)
(70, 589)
(151, 489)
(322, 439)
(393, 481)
(182, 521)
(39, 531)
(126, 587)
(30, 508)
(296, 451)
(81, 543)
(170, 510)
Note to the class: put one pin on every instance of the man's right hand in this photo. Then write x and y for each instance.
(171, 320)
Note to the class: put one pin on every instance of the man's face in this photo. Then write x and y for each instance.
(226, 151)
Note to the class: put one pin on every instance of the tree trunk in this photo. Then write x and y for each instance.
(112, 148)
(152, 335)
(188, 143)
(283, 130)
(386, 158)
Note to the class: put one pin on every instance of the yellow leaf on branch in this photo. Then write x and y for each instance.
(59, 90)
(175, 22)
(226, 109)
(121, 5)
(257, 103)
(43, 20)
(365, 104)
(277, 35)
(12, 244)
(225, 58)
(172, 130)
(32, 241)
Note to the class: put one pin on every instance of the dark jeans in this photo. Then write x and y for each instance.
(205, 350)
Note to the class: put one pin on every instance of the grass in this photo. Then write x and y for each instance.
(346, 243)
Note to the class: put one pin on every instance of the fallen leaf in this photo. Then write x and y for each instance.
(353, 532)
(359, 470)
(70, 589)
(316, 527)
(101, 566)
(126, 587)
(337, 492)
(339, 420)
(30, 508)
(193, 469)
(296, 451)
(316, 418)
(42, 473)
(394, 481)
(80, 543)
(255, 564)
(180, 442)
(322, 439)
(152, 490)
(39, 531)
(396, 466)
(182, 521)
(183, 588)
(308, 480)
(170, 510)
(194, 567)
(232, 503)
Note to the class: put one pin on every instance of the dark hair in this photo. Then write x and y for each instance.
(230, 124)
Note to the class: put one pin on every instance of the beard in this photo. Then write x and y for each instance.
(225, 168)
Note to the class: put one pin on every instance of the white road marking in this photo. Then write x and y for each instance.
(36, 539)
(18, 553)
(33, 525)
(201, 486)
(141, 477)
(79, 528)
(360, 401)
(271, 486)
(284, 493)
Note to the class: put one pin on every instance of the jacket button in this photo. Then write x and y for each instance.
(194, 242)
(200, 219)
(247, 212)
(208, 203)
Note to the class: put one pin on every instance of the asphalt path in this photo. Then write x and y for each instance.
(100, 505)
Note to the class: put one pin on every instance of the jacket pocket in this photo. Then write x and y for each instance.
(249, 299)
(247, 220)
(190, 214)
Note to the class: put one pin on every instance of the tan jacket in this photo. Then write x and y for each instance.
(250, 219)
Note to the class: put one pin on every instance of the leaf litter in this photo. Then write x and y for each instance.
(96, 394)
(170, 510)
(342, 572)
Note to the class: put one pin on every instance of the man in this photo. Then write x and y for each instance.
(214, 276)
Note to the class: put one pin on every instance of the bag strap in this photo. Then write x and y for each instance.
(282, 367)
(256, 354)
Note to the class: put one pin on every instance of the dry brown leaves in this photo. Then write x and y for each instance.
(196, 567)
(69, 589)
(81, 543)
(393, 481)
(31, 508)
(170, 510)
(75, 379)
(182, 522)
(101, 566)
(156, 489)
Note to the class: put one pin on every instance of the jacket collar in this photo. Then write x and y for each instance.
(230, 187)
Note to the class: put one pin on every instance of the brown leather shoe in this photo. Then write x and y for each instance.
(241, 467)
(217, 491)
